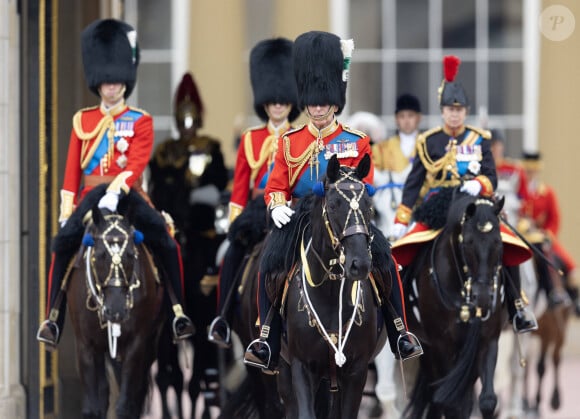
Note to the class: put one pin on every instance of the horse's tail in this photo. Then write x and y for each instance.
(452, 388)
(420, 396)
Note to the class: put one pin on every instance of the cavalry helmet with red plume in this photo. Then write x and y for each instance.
(110, 54)
(188, 107)
(451, 92)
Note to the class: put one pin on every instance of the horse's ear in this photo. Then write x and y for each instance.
(97, 216)
(332, 169)
(498, 205)
(470, 210)
(362, 170)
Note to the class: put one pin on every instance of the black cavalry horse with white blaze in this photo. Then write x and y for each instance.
(454, 290)
(114, 300)
(332, 326)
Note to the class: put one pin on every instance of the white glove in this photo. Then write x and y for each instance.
(472, 187)
(397, 231)
(206, 195)
(63, 223)
(109, 201)
(281, 215)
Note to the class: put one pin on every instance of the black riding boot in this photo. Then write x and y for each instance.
(182, 325)
(523, 320)
(573, 293)
(50, 330)
(555, 295)
(265, 351)
(404, 344)
(219, 329)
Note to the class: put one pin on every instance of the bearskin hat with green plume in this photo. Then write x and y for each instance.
(272, 76)
(451, 92)
(110, 54)
(321, 65)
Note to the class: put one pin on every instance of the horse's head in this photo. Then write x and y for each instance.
(347, 210)
(110, 258)
(477, 253)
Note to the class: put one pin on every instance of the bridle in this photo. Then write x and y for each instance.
(354, 223)
(466, 306)
(116, 247)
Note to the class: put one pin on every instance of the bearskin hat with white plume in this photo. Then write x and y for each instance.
(110, 54)
(451, 92)
(272, 76)
(321, 63)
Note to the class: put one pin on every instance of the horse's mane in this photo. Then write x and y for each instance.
(250, 226)
(131, 205)
(282, 250)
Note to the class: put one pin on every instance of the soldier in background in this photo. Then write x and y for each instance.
(542, 209)
(276, 104)
(393, 160)
(187, 176)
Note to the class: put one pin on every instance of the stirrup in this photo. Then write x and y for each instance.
(526, 316)
(254, 360)
(187, 332)
(50, 344)
(214, 336)
(413, 340)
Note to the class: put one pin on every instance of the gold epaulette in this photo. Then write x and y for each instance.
(293, 130)
(429, 133)
(144, 112)
(255, 128)
(354, 131)
(483, 132)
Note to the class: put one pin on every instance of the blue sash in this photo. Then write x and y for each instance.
(343, 142)
(123, 125)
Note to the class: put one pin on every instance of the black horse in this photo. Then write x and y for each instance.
(114, 304)
(454, 291)
(332, 324)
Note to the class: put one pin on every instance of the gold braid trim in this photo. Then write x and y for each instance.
(483, 132)
(443, 166)
(295, 164)
(106, 123)
(266, 153)
(403, 214)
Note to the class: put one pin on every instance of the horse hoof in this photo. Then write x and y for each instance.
(376, 411)
(555, 402)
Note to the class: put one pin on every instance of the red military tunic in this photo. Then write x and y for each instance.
(255, 155)
(103, 146)
(541, 206)
(301, 159)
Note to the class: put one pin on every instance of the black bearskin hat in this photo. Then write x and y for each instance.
(407, 102)
(532, 161)
(110, 54)
(318, 65)
(272, 76)
(452, 92)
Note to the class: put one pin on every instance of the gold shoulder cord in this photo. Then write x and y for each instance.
(266, 153)
(106, 123)
(295, 164)
(444, 165)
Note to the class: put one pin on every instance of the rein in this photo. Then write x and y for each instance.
(358, 225)
(464, 273)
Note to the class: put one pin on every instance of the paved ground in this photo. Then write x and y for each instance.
(569, 385)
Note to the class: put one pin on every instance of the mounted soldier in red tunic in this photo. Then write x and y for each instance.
(276, 104)
(109, 148)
